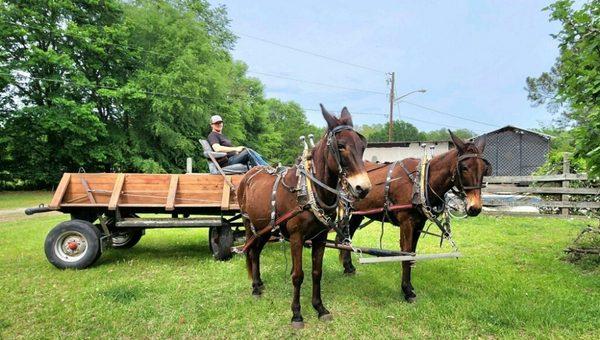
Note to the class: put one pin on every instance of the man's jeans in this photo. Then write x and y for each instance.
(248, 156)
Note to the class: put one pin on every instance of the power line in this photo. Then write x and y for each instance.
(316, 83)
(353, 113)
(105, 87)
(449, 114)
(310, 53)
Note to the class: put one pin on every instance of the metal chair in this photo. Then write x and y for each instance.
(214, 167)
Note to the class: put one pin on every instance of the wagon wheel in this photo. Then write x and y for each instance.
(73, 244)
(220, 240)
(456, 206)
(127, 238)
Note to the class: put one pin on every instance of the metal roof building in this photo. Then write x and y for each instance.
(513, 151)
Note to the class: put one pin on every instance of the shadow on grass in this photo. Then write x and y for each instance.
(157, 251)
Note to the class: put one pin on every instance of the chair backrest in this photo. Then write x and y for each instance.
(212, 168)
(206, 147)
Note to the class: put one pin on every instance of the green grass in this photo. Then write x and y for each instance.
(511, 282)
(23, 199)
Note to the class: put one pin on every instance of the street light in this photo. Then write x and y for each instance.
(408, 94)
(392, 101)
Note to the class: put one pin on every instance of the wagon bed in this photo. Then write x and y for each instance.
(189, 193)
(104, 210)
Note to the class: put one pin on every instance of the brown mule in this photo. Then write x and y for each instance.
(336, 159)
(462, 167)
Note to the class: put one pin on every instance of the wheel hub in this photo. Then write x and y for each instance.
(70, 246)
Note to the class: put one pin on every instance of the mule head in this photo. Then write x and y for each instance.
(344, 152)
(470, 169)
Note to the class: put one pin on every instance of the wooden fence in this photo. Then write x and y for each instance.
(549, 186)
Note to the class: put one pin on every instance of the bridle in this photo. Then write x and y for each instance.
(461, 187)
(332, 145)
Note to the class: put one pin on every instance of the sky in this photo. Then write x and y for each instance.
(472, 57)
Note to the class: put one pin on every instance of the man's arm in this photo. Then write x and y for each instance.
(220, 148)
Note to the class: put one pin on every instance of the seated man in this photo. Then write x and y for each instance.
(235, 155)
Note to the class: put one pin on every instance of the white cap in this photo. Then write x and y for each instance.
(215, 119)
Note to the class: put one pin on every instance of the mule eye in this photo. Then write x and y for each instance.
(341, 146)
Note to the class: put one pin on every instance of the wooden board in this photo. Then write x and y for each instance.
(170, 206)
(116, 193)
(541, 190)
(129, 190)
(523, 179)
(60, 191)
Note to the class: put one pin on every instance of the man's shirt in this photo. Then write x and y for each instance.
(219, 138)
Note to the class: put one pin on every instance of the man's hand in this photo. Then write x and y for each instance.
(240, 148)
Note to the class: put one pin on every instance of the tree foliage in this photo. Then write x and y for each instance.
(126, 86)
(404, 131)
(573, 84)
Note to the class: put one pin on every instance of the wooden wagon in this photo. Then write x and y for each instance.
(114, 209)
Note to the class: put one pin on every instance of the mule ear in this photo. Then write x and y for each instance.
(460, 145)
(480, 143)
(331, 120)
(345, 117)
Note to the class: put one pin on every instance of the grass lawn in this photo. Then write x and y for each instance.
(511, 282)
(23, 199)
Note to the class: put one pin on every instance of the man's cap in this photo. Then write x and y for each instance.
(215, 119)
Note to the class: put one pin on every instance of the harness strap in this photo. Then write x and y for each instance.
(273, 201)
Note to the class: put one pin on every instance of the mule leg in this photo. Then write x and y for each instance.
(346, 255)
(407, 228)
(296, 245)
(253, 260)
(259, 247)
(318, 250)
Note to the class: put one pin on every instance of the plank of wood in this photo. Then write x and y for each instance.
(541, 190)
(172, 192)
(550, 204)
(226, 193)
(60, 191)
(565, 184)
(530, 214)
(88, 190)
(116, 192)
(545, 178)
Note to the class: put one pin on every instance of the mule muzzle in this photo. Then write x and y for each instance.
(360, 185)
(474, 204)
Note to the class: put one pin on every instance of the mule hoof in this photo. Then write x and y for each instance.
(297, 324)
(410, 299)
(326, 317)
(349, 272)
(256, 296)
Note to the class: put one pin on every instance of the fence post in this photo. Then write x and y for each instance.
(565, 182)
(188, 167)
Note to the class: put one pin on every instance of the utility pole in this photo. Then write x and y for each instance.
(391, 108)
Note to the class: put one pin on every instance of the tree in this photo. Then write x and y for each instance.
(401, 131)
(290, 123)
(573, 84)
(442, 134)
(54, 58)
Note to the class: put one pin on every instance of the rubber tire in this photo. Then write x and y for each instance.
(88, 230)
(136, 235)
(220, 241)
